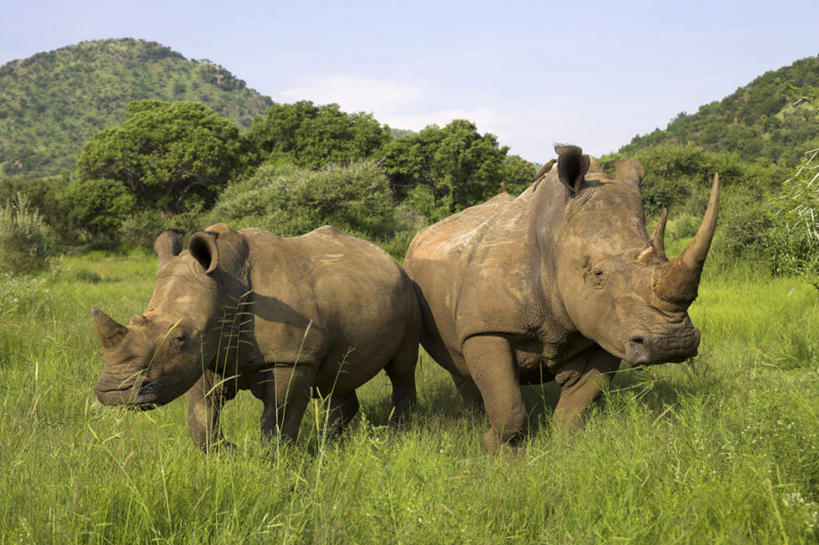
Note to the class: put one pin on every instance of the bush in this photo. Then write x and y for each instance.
(791, 251)
(794, 235)
(140, 230)
(98, 208)
(26, 241)
(289, 201)
(679, 177)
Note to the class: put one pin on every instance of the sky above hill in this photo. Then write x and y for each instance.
(533, 73)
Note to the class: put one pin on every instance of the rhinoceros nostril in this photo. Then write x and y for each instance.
(636, 351)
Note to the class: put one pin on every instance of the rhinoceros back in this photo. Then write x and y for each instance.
(328, 299)
(439, 259)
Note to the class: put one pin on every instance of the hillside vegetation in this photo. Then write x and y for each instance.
(52, 102)
(770, 118)
(186, 164)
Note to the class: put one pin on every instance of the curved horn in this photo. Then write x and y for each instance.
(658, 238)
(678, 279)
(108, 330)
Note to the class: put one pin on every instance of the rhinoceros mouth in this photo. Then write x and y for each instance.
(650, 349)
(139, 396)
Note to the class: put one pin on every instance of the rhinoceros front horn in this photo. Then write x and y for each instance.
(677, 280)
(109, 331)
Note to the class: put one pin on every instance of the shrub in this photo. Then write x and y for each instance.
(791, 251)
(289, 201)
(794, 235)
(98, 208)
(26, 241)
(141, 228)
(743, 226)
(679, 177)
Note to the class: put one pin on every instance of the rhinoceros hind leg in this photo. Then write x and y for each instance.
(489, 360)
(401, 372)
(340, 411)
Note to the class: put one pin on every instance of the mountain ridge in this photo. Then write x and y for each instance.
(766, 118)
(53, 101)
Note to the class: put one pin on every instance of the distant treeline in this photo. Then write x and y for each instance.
(180, 164)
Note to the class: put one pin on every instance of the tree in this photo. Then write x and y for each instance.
(447, 169)
(97, 208)
(315, 136)
(289, 200)
(172, 156)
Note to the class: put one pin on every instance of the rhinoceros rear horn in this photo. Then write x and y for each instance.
(677, 280)
(108, 330)
(572, 166)
(168, 244)
(202, 246)
(658, 238)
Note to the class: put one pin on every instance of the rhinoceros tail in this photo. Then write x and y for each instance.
(430, 336)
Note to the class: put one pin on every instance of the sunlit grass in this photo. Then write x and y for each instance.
(724, 449)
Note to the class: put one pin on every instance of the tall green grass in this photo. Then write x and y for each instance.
(724, 449)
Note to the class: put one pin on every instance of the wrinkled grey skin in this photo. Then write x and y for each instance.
(559, 284)
(321, 313)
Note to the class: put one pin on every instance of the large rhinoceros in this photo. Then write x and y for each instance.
(559, 284)
(322, 312)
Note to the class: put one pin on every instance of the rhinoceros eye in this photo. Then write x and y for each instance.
(596, 276)
(178, 339)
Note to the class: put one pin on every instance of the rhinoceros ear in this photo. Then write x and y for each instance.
(202, 246)
(168, 244)
(629, 170)
(572, 166)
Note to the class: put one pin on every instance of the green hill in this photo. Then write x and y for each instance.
(52, 102)
(768, 118)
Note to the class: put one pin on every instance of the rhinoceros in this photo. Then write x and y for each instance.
(320, 313)
(560, 283)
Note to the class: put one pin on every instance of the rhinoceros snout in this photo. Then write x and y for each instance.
(642, 349)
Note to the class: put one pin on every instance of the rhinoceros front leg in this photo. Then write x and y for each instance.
(492, 367)
(581, 382)
(205, 401)
(286, 394)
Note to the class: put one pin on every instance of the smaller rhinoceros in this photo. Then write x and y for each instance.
(322, 312)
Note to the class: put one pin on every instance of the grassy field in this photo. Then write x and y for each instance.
(724, 449)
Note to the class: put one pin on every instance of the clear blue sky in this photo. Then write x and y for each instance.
(533, 73)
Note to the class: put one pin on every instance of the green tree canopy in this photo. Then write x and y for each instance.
(96, 208)
(314, 136)
(171, 155)
(289, 200)
(443, 170)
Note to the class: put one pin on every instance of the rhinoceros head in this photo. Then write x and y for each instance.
(161, 353)
(617, 285)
